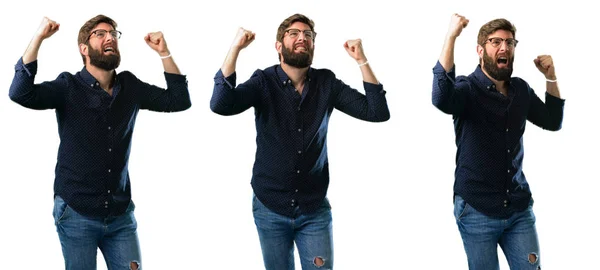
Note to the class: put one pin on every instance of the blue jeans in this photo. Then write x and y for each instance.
(311, 232)
(482, 234)
(81, 236)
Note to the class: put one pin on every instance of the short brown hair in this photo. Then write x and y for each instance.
(291, 20)
(87, 27)
(493, 26)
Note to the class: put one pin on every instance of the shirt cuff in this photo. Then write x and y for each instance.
(371, 87)
(439, 69)
(552, 100)
(30, 68)
(229, 81)
(171, 77)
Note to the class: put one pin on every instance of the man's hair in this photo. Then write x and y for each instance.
(87, 27)
(493, 26)
(291, 20)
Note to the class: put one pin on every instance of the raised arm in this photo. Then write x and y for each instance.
(372, 106)
(176, 97)
(23, 90)
(445, 96)
(227, 99)
(548, 115)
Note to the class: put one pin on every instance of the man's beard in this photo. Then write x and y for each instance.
(491, 67)
(102, 61)
(298, 60)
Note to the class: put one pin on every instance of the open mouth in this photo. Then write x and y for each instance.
(300, 48)
(502, 60)
(109, 49)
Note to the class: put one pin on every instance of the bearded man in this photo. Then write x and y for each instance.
(293, 103)
(96, 111)
(492, 199)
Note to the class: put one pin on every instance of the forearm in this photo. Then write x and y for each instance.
(31, 53)
(228, 67)
(447, 55)
(552, 88)
(169, 64)
(367, 73)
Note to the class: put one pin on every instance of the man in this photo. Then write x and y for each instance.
(96, 110)
(293, 103)
(492, 202)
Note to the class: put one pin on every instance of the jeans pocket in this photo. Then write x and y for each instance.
(60, 209)
(130, 207)
(255, 203)
(460, 207)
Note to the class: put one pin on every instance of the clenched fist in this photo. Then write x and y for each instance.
(457, 24)
(355, 50)
(47, 28)
(157, 42)
(242, 39)
(545, 65)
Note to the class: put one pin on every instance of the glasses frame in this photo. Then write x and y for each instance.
(502, 40)
(314, 34)
(116, 34)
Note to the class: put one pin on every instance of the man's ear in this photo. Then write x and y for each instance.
(83, 49)
(480, 51)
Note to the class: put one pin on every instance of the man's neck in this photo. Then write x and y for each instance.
(104, 77)
(297, 75)
(501, 86)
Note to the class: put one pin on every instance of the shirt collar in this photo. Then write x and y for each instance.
(89, 79)
(285, 80)
(484, 81)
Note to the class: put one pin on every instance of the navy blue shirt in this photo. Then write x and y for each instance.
(291, 167)
(489, 131)
(95, 130)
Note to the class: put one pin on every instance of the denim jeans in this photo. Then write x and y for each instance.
(81, 236)
(311, 232)
(482, 234)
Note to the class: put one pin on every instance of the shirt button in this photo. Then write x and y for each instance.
(298, 108)
(505, 201)
(508, 171)
(507, 130)
(508, 150)
(299, 151)
(109, 149)
(109, 191)
(507, 191)
(109, 128)
(97, 83)
(298, 171)
(106, 202)
(106, 206)
(92, 85)
(108, 170)
(296, 190)
(299, 130)
(505, 205)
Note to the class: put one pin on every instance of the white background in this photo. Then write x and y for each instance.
(391, 183)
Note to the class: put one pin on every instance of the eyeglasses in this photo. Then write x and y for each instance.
(309, 34)
(101, 33)
(511, 43)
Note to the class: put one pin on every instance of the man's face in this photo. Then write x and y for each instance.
(103, 49)
(497, 55)
(298, 45)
